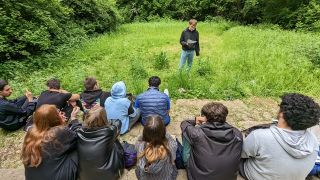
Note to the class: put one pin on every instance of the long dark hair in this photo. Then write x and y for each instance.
(154, 134)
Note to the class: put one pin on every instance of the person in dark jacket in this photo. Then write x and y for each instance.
(101, 155)
(153, 101)
(14, 113)
(189, 41)
(55, 95)
(215, 146)
(49, 147)
(92, 95)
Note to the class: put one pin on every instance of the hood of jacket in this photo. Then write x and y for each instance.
(298, 144)
(219, 132)
(91, 96)
(118, 90)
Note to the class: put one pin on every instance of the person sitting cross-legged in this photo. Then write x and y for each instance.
(286, 151)
(14, 113)
(212, 147)
(55, 95)
(156, 150)
(100, 152)
(92, 95)
(153, 101)
(118, 106)
(49, 147)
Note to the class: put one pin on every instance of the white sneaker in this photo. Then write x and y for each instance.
(166, 91)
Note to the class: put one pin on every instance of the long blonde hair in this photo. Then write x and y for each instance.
(44, 118)
(154, 134)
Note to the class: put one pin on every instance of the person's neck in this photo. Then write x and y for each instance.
(283, 124)
(54, 90)
(1, 96)
(153, 87)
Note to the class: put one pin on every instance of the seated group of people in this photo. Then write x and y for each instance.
(58, 146)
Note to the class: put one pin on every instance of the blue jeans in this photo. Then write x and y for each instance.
(186, 56)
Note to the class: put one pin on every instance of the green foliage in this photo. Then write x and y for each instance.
(204, 68)
(243, 62)
(289, 14)
(137, 70)
(95, 16)
(161, 61)
(29, 28)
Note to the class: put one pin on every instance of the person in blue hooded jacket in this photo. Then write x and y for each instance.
(118, 106)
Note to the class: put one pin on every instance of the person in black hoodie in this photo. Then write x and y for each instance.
(14, 113)
(101, 155)
(49, 147)
(215, 145)
(189, 41)
(92, 95)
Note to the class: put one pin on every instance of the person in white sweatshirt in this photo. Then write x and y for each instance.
(286, 151)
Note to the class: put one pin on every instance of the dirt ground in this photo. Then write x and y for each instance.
(242, 114)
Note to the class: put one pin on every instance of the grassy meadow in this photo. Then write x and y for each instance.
(235, 62)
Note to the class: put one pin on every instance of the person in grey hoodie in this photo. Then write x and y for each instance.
(156, 152)
(286, 151)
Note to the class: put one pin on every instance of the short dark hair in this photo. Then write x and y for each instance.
(215, 112)
(3, 83)
(89, 83)
(193, 21)
(53, 83)
(299, 111)
(154, 81)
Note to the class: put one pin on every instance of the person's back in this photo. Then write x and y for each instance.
(49, 149)
(100, 152)
(286, 151)
(118, 106)
(153, 102)
(92, 95)
(215, 145)
(55, 96)
(279, 154)
(156, 152)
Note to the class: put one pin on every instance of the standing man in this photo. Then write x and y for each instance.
(190, 42)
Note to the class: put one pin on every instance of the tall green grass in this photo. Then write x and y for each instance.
(235, 62)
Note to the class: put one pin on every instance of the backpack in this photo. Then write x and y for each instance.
(179, 160)
(130, 155)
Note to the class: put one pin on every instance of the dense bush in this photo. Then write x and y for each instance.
(95, 16)
(32, 27)
(300, 14)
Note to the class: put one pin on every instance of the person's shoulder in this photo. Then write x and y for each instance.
(262, 133)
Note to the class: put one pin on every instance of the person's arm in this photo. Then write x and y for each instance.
(188, 128)
(197, 48)
(12, 108)
(74, 97)
(137, 103)
(168, 105)
(116, 127)
(250, 146)
(182, 39)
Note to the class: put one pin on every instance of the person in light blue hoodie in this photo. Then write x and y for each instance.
(118, 106)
